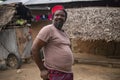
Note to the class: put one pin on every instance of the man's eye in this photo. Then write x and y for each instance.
(62, 15)
(56, 15)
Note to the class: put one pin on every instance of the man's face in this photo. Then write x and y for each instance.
(59, 19)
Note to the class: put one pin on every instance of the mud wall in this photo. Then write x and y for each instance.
(36, 26)
(98, 47)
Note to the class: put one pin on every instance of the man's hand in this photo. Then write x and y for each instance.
(44, 74)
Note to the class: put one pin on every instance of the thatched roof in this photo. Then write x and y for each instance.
(94, 23)
(11, 13)
(6, 14)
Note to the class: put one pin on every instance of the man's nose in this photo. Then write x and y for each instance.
(59, 16)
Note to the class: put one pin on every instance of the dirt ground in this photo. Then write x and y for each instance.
(81, 72)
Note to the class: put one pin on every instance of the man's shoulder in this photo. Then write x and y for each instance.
(46, 28)
(49, 27)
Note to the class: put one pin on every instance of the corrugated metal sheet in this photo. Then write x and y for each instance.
(29, 2)
(85, 0)
(51, 1)
(45, 1)
(1, 1)
(13, 1)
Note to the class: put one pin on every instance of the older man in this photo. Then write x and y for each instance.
(58, 57)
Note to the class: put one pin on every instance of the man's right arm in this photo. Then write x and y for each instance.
(37, 45)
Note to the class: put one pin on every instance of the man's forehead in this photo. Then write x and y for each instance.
(60, 12)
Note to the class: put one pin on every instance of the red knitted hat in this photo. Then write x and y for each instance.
(57, 7)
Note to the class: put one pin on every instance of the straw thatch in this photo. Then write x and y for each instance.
(6, 14)
(94, 23)
(11, 14)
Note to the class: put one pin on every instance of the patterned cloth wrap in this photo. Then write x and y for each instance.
(57, 75)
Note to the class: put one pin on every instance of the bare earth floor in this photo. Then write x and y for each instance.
(81, 72)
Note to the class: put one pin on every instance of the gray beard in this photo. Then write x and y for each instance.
(59, 25)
